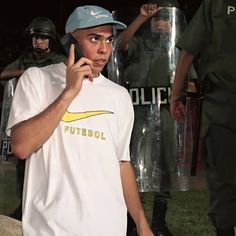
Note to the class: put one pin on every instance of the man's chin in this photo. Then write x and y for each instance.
(98, 70)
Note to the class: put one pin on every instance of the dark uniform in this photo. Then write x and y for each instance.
(30, 59)
(39, 27)
(211, 35)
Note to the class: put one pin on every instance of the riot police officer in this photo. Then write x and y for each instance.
(42, 48)
(149, 65)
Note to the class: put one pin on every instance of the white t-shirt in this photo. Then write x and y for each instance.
(72, 183)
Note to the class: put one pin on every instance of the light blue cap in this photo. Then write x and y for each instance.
(91, 16)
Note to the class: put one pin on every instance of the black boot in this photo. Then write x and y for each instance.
(159, 226)
(131, 227)
(225, 232)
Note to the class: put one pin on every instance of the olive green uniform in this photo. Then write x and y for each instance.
(30, 59)
(211, 35)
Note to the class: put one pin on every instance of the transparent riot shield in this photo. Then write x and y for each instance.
(8, 198)
(9, 87)
(147, 70)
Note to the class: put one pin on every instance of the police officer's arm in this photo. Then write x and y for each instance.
(146, 11)
(132, 199)
(11, 73)
(29, 135)
(177, 108)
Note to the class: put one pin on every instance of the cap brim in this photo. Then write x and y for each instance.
(119, 25)
(116, 24)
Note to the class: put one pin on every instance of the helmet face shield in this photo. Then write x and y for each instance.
(41, 26)
(40, 36)
(160, 25)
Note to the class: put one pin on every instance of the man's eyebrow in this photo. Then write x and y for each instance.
(99, 35)
(93, 34)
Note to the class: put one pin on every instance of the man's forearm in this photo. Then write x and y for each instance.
(182, 69)
(131, 194)
(124, 37)
(9, 74)
(29, 135)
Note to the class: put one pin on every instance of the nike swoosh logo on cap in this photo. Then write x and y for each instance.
(94, 13)
(73, 116)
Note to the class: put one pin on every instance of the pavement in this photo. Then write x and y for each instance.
(10, 226)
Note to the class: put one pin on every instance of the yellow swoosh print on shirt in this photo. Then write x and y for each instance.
(73, 116)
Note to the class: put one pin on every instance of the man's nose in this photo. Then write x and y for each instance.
(103, 47)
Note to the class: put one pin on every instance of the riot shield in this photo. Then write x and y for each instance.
(8, 198)
(9, 87)
(147, 70)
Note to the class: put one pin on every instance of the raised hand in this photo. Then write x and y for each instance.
(148, 9)
(77, 71)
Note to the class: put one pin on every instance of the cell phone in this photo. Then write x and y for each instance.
(66, 41)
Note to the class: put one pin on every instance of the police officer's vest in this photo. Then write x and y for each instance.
(221, 51)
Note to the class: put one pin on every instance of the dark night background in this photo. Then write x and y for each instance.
(16, 15)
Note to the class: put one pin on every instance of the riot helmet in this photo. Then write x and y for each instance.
(166, 3)
(41, 26)
(44, 28)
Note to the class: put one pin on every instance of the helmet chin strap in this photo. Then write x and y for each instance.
(40, 51)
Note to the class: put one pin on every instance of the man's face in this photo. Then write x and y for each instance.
(160, 25)
(96, 44)
(40, 41)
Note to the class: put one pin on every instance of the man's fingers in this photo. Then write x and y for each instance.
(152, 8)
(177, 110)
(71, 58)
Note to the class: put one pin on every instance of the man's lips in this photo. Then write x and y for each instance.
(99, 62)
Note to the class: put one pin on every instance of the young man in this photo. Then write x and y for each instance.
(76, 129)
(211, 36)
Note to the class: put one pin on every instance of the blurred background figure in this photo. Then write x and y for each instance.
(42, 47)
(210, 37)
